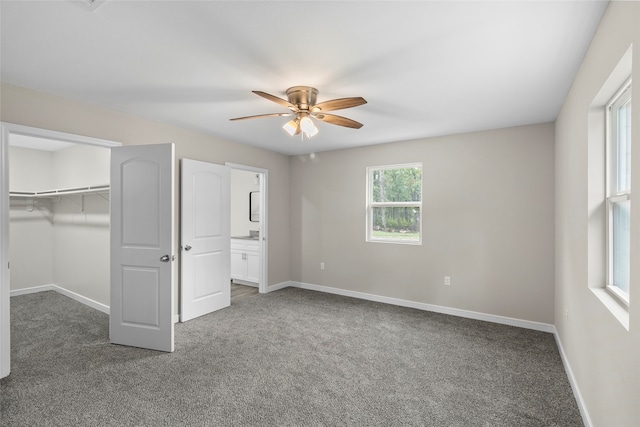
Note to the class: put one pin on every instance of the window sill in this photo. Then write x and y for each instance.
(620, 296)
(615, 307)
(396, 242)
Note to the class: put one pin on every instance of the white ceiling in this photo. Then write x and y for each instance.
(426, 68)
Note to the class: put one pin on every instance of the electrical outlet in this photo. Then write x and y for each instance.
(322, 266)
(447, 280)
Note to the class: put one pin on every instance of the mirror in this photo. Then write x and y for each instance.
(254, 206)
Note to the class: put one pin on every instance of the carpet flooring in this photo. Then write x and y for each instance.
(287, 358)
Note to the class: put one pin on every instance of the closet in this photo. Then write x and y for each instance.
(59, 218)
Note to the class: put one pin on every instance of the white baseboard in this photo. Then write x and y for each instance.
(586, 419)
(32, 290)
(84, 300)
(527, 324)
(544, 327)
(70, 294)
(245, 282)
(281, 285)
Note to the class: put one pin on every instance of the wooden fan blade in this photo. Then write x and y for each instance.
(262, 115)
(338, 120)
(275, 99)
(339, 104)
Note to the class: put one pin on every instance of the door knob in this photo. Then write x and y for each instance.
(165, 258)
(187, 248)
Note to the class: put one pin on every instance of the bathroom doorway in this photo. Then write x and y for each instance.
(249, 226)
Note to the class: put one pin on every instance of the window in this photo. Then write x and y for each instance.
(394, 203)
(619, 193)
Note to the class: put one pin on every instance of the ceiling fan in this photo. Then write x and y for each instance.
(302, 103)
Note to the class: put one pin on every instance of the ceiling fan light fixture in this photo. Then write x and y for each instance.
(307, 126)
(291, 126)
(301, 101)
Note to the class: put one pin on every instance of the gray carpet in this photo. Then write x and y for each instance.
(288, 358)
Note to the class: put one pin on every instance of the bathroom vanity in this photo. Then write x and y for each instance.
(245, 260)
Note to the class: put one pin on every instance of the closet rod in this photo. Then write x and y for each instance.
(60, 192)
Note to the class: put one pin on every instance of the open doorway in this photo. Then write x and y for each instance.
(36, 202)
(59, 219)
(249, 227)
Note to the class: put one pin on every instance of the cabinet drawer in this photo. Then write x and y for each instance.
(237, 244)
(252, 245)
(245, 245)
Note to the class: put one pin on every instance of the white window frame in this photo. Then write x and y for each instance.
(371, 204)
(622, 96)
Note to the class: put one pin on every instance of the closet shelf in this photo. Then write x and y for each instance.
(60, 192)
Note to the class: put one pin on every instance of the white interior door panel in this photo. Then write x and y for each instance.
(205, 234)
(142, 191)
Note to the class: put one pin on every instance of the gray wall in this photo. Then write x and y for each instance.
(603, 355)
(31, 251)
(487, 223)
(81, 235)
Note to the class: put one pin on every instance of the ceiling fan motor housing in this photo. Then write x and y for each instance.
(302, 97)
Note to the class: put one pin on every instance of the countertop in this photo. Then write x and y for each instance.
(245, 237)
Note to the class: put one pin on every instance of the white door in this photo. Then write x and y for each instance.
(205, 235)
(141, 246)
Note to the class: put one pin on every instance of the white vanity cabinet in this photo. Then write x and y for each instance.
(245, 260)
